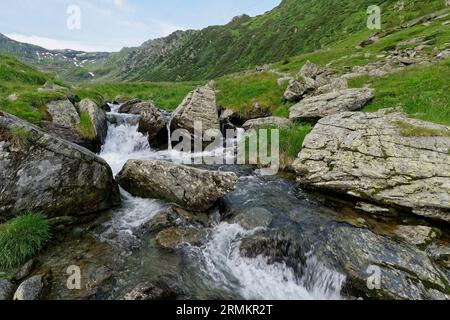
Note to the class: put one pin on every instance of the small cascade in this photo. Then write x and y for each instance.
(169, 132)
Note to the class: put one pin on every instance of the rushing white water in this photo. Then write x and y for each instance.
(220, 257)
(256, 279)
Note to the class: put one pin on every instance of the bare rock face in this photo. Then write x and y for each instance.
(191, 188)
(199, 105)
(382, 157)
(267, 122)
(331, 103)
(98, 119)
(43, 173)
(309, 70)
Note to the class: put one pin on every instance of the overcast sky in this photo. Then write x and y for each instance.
(109, 25)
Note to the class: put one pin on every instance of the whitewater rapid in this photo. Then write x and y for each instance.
(220, 259)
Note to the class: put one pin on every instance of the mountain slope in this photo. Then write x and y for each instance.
(68, 64)
(295, 26)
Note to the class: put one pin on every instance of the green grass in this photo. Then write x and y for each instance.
(21, 238)
(22, 80)
(410, 130)
(239, 92)
(165, 95)
(291, 142)
(86, 127)
(19, 136)
(421, 91)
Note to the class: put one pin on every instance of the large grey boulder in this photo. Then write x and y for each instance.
(267, 122)
(331, 103)
(43, 173)
(6, 290)
(309, 70)
(192, 188)
(383, 157)
(63, 113)
(30, 289)
(98, 119)
(199, 105)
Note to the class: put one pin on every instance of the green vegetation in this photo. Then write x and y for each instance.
(19, 136)
(410, 130)
(21, 80)
(21, 238)
(292, 28)
(291, 142)
(165, 95)
(86, 127)
(239, 92)
(422, 92)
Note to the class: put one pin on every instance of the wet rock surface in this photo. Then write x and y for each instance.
(192, 188)
(376, 156)
(98, 119)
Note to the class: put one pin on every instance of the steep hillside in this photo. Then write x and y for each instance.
(67, 64)
(291, 28)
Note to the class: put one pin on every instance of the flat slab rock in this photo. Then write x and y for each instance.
(267, 122)
(369, 156)
(191, 188)
(331, 103)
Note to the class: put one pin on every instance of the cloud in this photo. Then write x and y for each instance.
(57, 44)
(123, 5)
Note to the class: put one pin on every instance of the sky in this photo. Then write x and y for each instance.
(109, 25)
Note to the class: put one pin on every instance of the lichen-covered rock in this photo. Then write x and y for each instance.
(30, 289)
(298, 88)
(331, 103)
(336, 84)
(192, 188)
(267, 122)
(384, 157)
(63, 113)
(418, 235)
(199, 105)
(98, 119)
(309, 70)
(43, 173)
(6, 290)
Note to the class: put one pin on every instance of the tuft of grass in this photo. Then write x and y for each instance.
(19, 136)
(86, 127)
(291, 142)
(21, 238)
(410, 130)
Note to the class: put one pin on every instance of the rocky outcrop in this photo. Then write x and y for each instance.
(298, 88)
(43, 173)
(383, 157)
(199, 106)
(276, 122)
(30, 289)
(327, 104)
(98, 119)
(192, 188)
